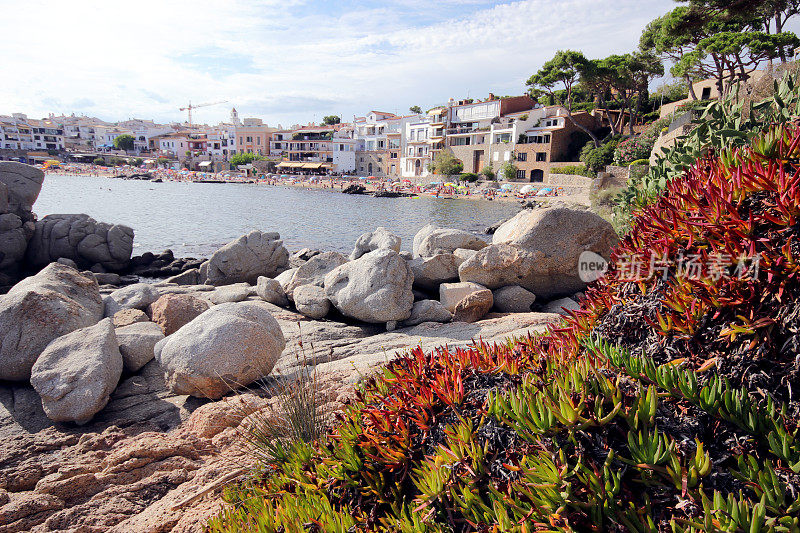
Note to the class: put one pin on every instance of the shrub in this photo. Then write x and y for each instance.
(488, 173)
(664, 404)
(643, 161)
(508, 171)
(99, 161)
(446, 164)
(576, 170)
(138, 161)
(469, 177)
(639, 147)
(598, 158)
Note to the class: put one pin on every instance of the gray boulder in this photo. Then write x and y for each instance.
(3, 198)
(562, 306)
(236, 292)
(41, 308)
(82, 239)
(374, 240)
(137, 342)
(248, 257)
(270, 290)
(430, 272)
(427, 311)
(474, 306)
(420, 236)
(229, 346)
(187, 277)
(22, 184)
(285, 277)
(557, 237)
(452, 293)
(136, 296)
(14, 236)
(445, 240)
(76, 373)
(462, 254)
(313, 272)
(311, 301)
(513, 299)
(374, 288)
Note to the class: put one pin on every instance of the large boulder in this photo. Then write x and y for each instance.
(427, 311)
(22, 184)
(14, 236)
(452, 293)
(137, 343)
(173, 311)
(313, 272)
(434, 241)
(227, 347)
(136, 296)
(82, 239)
(285, 277)
(513, 299)
(246, 258)
(237, 292)
(557, 236)
(41, 308)
(76, 374)
(420, 236)
(374, 240)
(430, 272)
(270, 290)
(474, 306)
(374, 288)
(311, 301)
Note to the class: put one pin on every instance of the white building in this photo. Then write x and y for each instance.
(344, 151)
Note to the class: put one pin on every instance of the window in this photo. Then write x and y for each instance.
(541, 156)
(496, 156)
(258, 139)
(506, 156)
(249, 139)
(706, 93)
(522, 156)
(520, 174)
(241, 141)
(393, 155)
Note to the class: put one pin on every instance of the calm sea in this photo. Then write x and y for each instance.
(194, 219)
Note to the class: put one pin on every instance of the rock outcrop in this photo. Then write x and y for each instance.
(311, 301)
(76, 374)
(173, 311)
(427, 311)
(513, 299)
(375, 240)
(430, 272)
(82, 239)
(137, 344)
(313, 272)
(245, 259)
(432, 240)
(21, 185)
(270, 290)
(38, 310)
(227, 347)
(374, 288)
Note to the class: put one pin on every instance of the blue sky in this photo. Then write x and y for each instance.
(291, 61)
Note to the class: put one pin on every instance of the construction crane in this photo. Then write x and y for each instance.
(190, 107)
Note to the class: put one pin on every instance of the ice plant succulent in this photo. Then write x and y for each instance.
(668, 402)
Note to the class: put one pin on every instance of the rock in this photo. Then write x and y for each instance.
(374, 288)
(188, 277)
(285, 277)
(374, 240)
(173, 311)
(462, 254)
(97, 268)
(22, 184)
(126, 317)
(311, 301)
(270, 290)
(420, 236)
(236, 292)
(76, 373)
(408, 256)
(67, 262)
(513, 299)
(430, 272)
(3, 198)
(452, 293)
(229, 346)
(354, 188)
(444, 240)
(136, 296)
(41, 308)
(248, 257)
(474, 306)
(313, 272)
(301, 256)
(108, 278)
(82, 239)
(427, 311)
(136, 343)
(14, 236)
(557, 236)
(561, 306)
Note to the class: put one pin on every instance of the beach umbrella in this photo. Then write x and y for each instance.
(543, 192)
(526, 189)
(507, 187)
(449, 184)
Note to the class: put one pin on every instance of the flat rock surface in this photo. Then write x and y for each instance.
(149, 450)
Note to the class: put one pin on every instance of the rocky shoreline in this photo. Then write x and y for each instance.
(117, 404)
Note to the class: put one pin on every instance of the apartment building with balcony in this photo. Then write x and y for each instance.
(380, 136)
(254, 137)
(422, 138)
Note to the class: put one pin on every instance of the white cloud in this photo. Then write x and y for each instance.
(290, 60)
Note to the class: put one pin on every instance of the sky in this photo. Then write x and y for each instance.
(290, 61)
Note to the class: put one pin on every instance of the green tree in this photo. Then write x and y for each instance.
(508, 171)
(331, 120)
(138, 161)
(446, 164)
(99, 161)
(162, 161)
(596, 158)
(124, 142)
(488, 173)
(415, 109)
(558, 79)
(244, 159)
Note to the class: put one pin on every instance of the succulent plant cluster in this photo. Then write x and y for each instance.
(669, 402)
